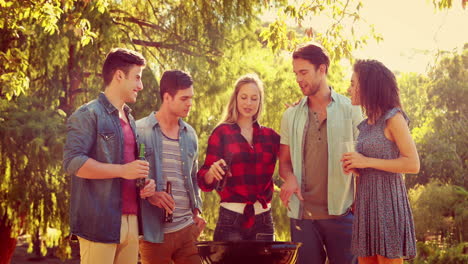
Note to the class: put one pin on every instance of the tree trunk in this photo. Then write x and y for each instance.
(7, 243)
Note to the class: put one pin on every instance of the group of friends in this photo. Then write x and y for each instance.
(344, 204)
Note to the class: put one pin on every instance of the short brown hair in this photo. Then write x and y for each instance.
(314, 53)
(378, 88)
(120, 59)
(173, 81)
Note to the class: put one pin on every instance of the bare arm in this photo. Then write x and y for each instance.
(285, 163)
(397, 131)
(290, 185)
(93, 169)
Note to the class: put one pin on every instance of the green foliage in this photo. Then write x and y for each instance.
(335, 14)
(50, 61)
(438, 111)
(447, 4)
(433, 253)
(439, 212)
(31, 140)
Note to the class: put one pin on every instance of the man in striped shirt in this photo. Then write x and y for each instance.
(172, 151)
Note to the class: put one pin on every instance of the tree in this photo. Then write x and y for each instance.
(338, 37)
(49, 56)
(439, 212)
(437, 108)
(447, 4)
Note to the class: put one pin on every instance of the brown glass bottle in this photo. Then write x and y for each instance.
(226, 168)
(167, 217)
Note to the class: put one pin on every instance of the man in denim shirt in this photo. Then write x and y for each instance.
(100, 156)
(316, 191)
(172, 151)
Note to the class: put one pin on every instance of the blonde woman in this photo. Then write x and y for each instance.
(240, 161)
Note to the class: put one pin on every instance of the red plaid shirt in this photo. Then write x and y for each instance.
(251, 166)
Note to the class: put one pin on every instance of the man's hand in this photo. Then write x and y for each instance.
(135, 169)
(149, 189)
(163, 200)
(289, 187)
(199, 221)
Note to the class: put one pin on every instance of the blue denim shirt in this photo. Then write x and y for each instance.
(94, 131)
(149, 132)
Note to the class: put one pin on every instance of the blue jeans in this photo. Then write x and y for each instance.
(324, 238)
(229, 227)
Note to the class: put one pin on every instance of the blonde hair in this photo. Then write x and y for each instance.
(231, 114)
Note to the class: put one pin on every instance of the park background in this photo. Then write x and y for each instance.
(51, 53)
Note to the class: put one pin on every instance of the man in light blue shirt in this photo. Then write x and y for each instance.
(317, 193)
(172, 152)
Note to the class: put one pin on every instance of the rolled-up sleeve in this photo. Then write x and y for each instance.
(213, 153)
(198, 202)
(284, 130)
(81, 134)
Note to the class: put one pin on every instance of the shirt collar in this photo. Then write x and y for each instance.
(256, 127)
(109, 107)
(334, 97)
(153, 121)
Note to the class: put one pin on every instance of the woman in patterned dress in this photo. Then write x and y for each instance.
(383, 228)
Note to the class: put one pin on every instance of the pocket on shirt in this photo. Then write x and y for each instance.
(107, 136)
(106, 146)
(342, 129)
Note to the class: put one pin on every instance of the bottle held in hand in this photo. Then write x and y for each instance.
(168, 216)
(222, 183)
(140, 183)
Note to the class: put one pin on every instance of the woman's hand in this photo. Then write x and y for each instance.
(215, 172)
(353, 160)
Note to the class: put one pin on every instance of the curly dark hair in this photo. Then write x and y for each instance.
(378, 88)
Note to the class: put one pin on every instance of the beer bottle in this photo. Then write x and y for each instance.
(167, 216)
(222, 183)
(226, 168)
(140, 182)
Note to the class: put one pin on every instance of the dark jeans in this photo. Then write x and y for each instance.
(324, 238)
(229, 227)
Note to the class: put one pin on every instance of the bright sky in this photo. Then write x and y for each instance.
(413, 31)
(410, 29)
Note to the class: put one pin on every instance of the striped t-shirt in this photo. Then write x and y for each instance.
(172, 171)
